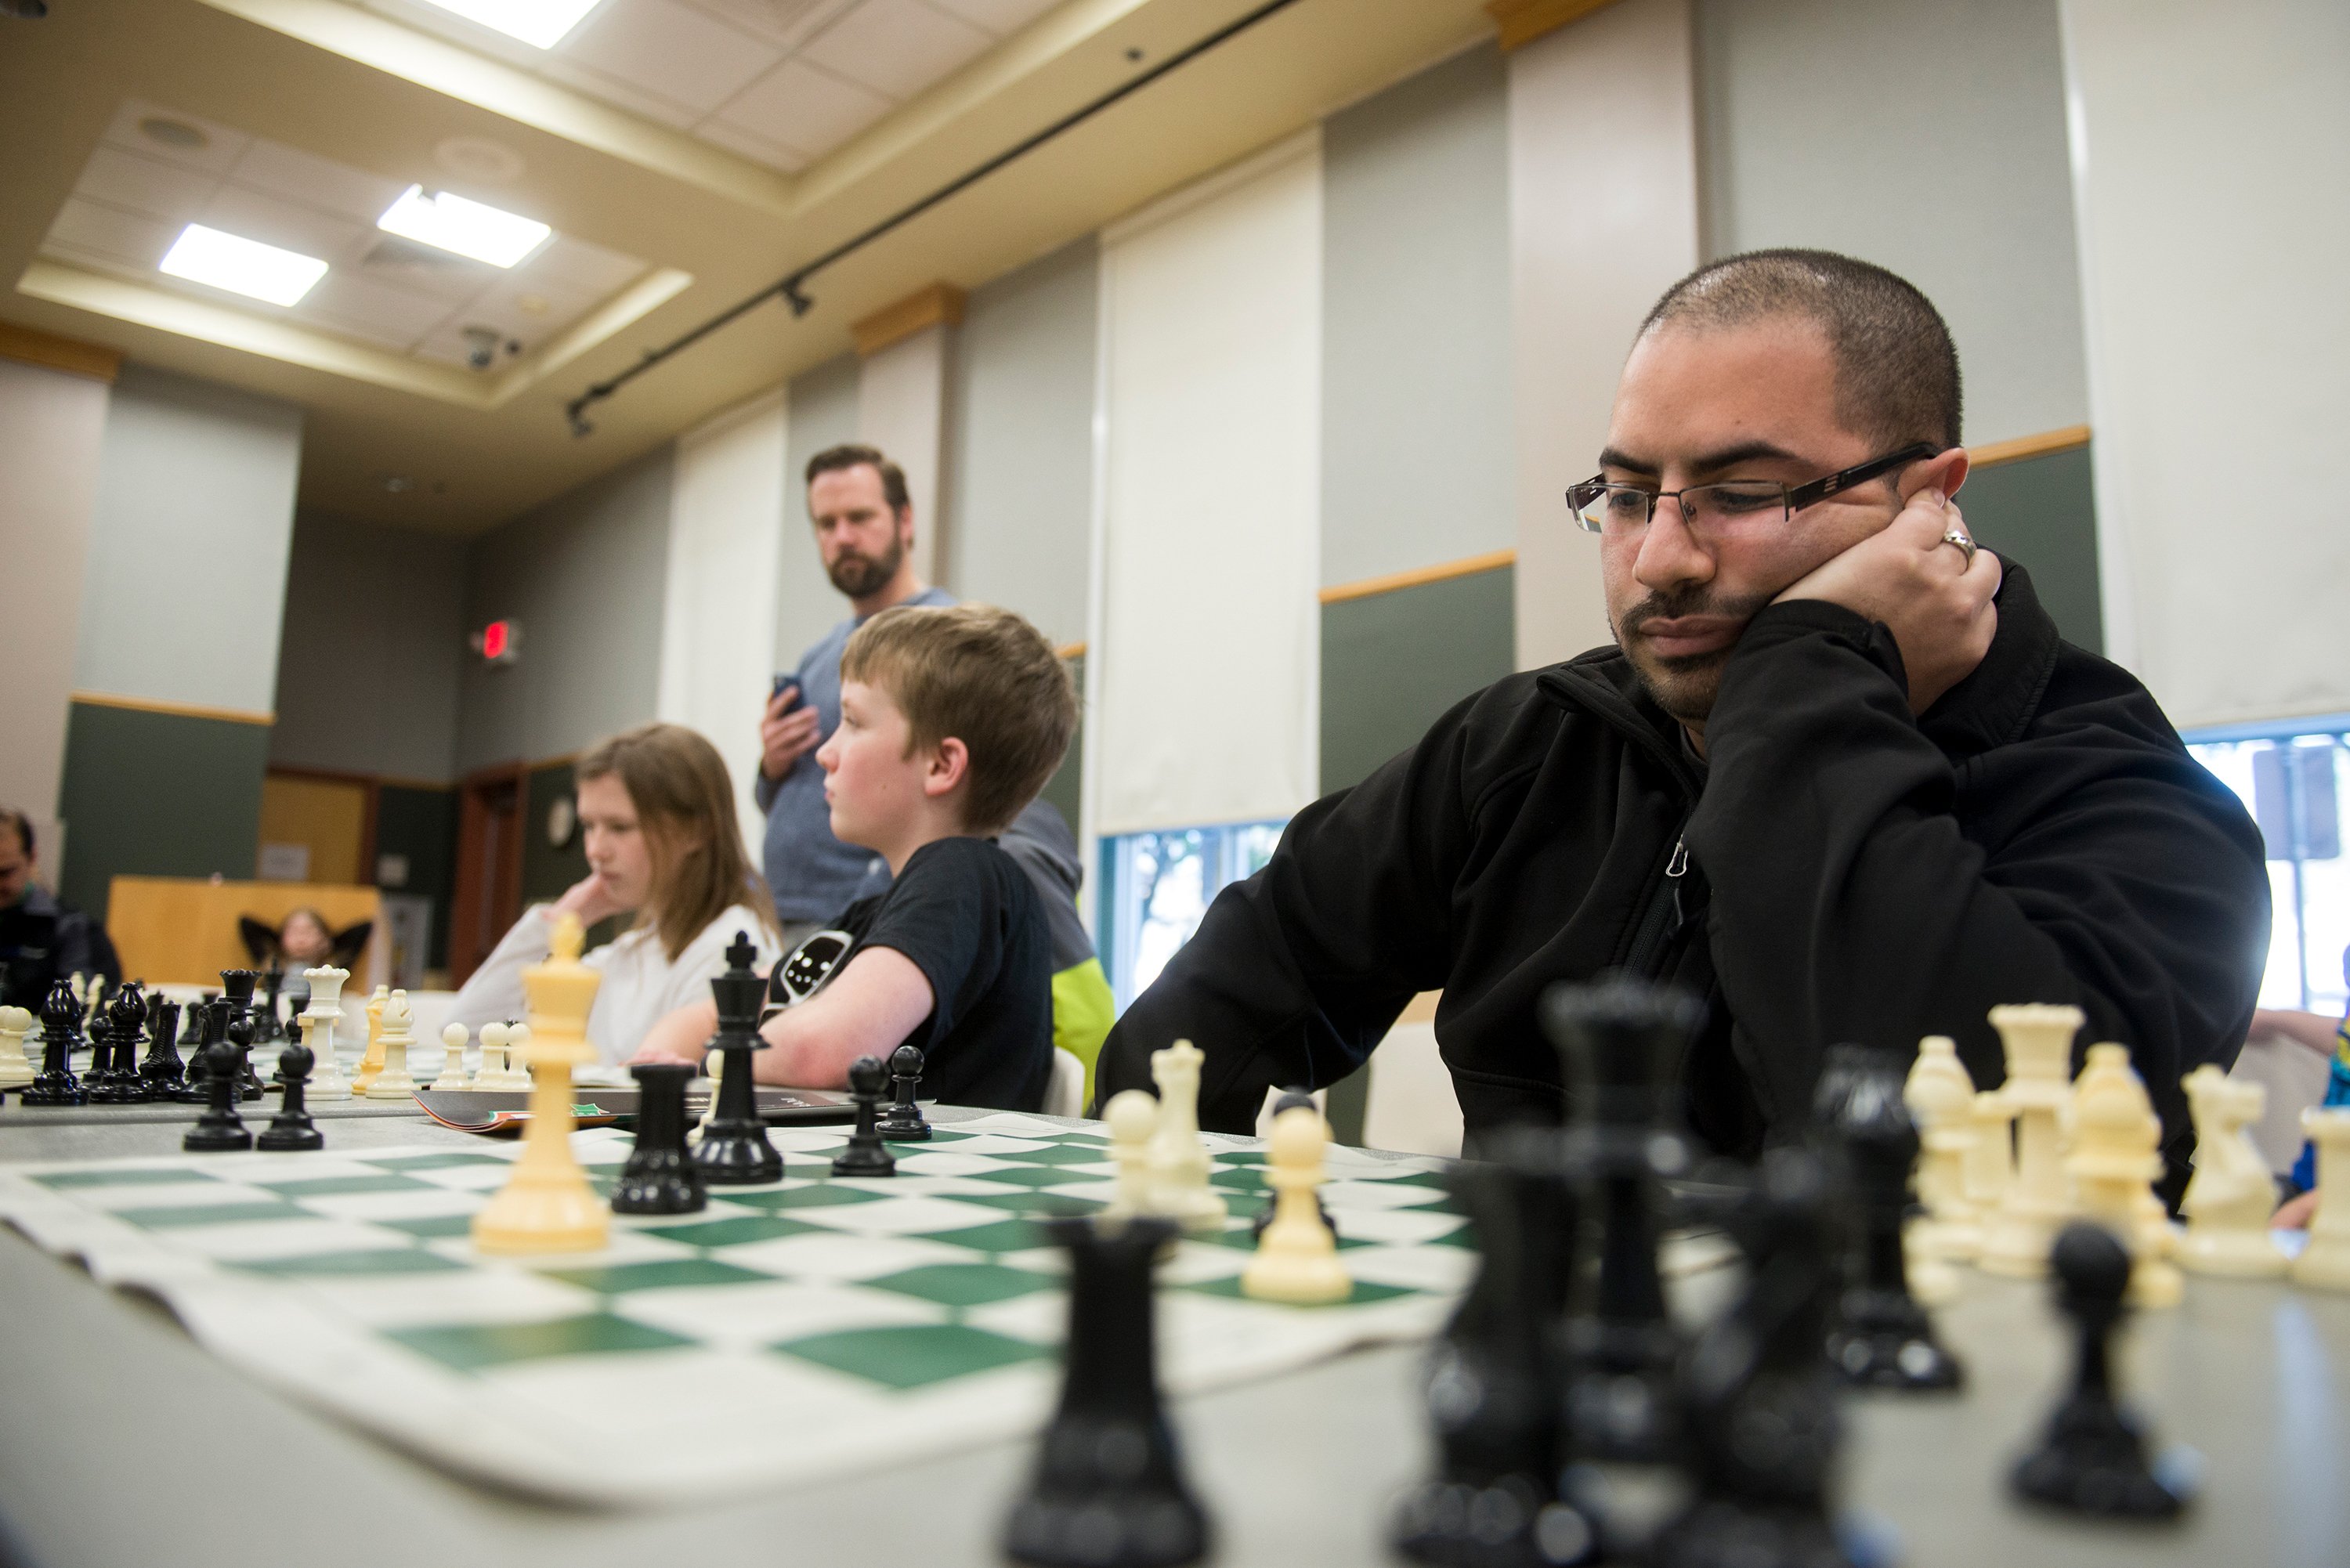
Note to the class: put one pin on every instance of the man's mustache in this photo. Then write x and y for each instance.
(1699, 601)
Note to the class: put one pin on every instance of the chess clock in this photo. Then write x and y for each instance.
(499, 643)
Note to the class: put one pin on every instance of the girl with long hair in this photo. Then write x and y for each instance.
(665, 845)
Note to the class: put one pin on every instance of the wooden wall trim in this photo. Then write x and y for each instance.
(1522, 21)
(1492, 561)
(941, 304)
(1070, 651)
(179, 709)
(52, 352)
(1992, 453)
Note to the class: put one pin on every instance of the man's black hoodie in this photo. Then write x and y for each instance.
(1836, 869)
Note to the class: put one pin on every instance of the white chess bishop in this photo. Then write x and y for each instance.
(394, 1081)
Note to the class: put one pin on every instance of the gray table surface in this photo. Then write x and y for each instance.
(122, 1443)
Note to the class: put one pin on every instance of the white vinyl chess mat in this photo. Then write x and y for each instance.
(789, 1332)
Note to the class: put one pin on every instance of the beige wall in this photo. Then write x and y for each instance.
(1603, 218)
(51, 423)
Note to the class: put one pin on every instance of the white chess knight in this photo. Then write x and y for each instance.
(318, 1020)
(452, 1070)
(2325, 1262)
(1179, 1161)
(2038, 1041)
(2228, 1199)
(16, 1067)
(399, 1034)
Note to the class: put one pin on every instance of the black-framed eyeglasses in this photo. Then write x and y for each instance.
(1601, 507)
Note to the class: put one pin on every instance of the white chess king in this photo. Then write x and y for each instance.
(547, 1205)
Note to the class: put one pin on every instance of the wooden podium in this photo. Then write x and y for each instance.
(182, 930)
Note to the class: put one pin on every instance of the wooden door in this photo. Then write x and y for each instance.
(489, 866)
(326, 822)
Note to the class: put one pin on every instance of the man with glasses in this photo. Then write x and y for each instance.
(1836, 774)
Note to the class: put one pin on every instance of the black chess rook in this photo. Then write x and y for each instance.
(661, 1176)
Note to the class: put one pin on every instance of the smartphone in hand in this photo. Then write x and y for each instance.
(786, 683)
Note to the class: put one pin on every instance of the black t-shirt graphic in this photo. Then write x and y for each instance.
(968, 918)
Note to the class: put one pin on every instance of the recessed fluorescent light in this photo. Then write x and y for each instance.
(242, 265)
(538, 23)
(468, 228)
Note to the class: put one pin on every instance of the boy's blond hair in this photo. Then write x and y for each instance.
(980, 675)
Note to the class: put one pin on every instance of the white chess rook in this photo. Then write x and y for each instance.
(2325, 1262)
(326, 1008)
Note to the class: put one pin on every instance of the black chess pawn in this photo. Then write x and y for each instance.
(1618, 1042)
(98, 1078)
(1493, 1379)
(193, 1041)
(123, 1086)
(1108, 1489)
(1882, 1337)
(734, 1150)
(660, 1177)
(60, 1032)
(2093, 1457)
(901, 1121)
(1760, 1400)
(867, 1154)
(291, 1128)
(236, 986)
(165, 1072)
(220, 1128)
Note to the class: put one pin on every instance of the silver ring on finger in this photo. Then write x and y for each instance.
(1967, 546)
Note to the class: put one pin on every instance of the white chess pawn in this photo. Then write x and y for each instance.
(398, 1033)
(1132, 1116)
(2228, 1199)
(516, 1076)
(2325, 1262)
(16, 1067)
(2038, 1041)
(319, 1020)
(1941, 1097)
(453, 1072)
(493, 1038)
(1296, 1259)
(1179, 1161)
(714, 1065)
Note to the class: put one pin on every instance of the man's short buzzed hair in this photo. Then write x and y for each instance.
(850, 454)
(21, 826)
(1896, 369)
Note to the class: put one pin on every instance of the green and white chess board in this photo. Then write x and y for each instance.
(811, 1328)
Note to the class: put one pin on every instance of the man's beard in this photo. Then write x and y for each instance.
(1683, 685)
(861, 575)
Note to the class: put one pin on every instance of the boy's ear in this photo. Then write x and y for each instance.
(948, 766)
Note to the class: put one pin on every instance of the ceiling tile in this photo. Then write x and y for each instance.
(377, 306)
(274, 222)
(805, 108)
(348, 326)
(221, 147)
(670, 49)
(781, 22)
(281, 170)
(750, 144)
(422, 269)
(895, 47)
(997, 15)
(574, 267)
(110, 232)
(139, 184)
(504, 305)
(612, 90)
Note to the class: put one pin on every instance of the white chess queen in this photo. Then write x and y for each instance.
(657, 809)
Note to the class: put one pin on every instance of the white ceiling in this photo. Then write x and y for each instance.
(782, 81)
(137, 193)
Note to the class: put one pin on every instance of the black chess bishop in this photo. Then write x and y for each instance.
(57, 1084)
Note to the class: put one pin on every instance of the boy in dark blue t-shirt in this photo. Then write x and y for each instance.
(951, 720)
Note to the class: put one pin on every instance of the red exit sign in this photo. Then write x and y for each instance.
(499, 643)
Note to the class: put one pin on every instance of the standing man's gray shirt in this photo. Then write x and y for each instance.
(815, 875)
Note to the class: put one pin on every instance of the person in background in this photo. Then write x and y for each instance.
(951, 720)
(863, 521)
(303, 940)
(42, 940)
(2331, 1039)
(664, 846)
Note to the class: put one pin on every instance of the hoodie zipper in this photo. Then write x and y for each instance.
(1661, 919)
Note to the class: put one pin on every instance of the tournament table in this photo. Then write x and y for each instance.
(122, 1442)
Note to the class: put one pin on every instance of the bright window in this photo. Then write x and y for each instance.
(2295, 785)
(1161, 885)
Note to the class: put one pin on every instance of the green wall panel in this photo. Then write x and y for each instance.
(157, 794)
(1392, 662)
(2042, 512)
(421, 824)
